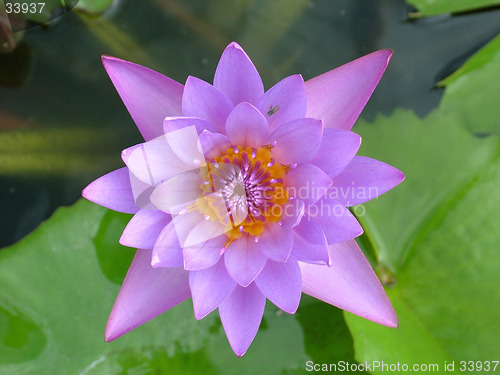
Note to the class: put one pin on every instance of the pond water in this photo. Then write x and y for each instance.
(62, 124)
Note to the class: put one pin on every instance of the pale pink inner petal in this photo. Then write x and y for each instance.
(296, 141)
(337, 222)
(203, 255)
(143, 229)
(350, 284)
(244, 260)
(186, 146)
(141, 192)
(145, 293)
(281, 283)
(214, 144)
(153, 161)
(292, 212)
(202, 231)
(176, 123)
(284, 102)
(209, 287)
(178, 193)
(241, 313)
(237, 77)
(338, 148)
(309, 242)
(246, 126)
(307, 182)
(202, 100)
(167, 251)
(276, 242)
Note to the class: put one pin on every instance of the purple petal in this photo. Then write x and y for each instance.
(293, 210)
(113, 191)
(237, 77)
(338, 96)
(146, 293)
(209, 287)
(214, 144)
(296, 141)
(281, 283)
(364, 179)
(307, 182)
(153, 161)
(178, 192)
(203, 255)
(336, 221)
(149, 96)
(244, 260)
(202, 100)
(309, 243)
(143, 229)
(167, 251)
(241, 314)
(276, 242)
(284, 102)
(176, 123)
(338, 148)
(246, 126)
(349, 284)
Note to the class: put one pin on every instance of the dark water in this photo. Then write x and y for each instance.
(62, 124)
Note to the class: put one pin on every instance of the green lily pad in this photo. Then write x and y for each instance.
(434, 7)
(438, 234)
(58, 287)
(326, 336)
(473, 91)
(438, 156)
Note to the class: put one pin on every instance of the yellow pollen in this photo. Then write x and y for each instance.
(243, 189)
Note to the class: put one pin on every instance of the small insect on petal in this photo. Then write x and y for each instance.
(272, 110)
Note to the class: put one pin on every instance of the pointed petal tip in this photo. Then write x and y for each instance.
(339, 95)
(107, 61)
(389, 52)
(387, 319)
(112, 191)
(390, 320)
(123, 240)
(383, 53)
(108, 338)
(401, 176)
(239, 354)
(393, 323)
(234, 45)
(379, 57)
(361, 231)
(199, 316)
(85, 193)
(105, 58)
(110, 334)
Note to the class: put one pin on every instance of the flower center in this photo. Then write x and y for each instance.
(244, 189)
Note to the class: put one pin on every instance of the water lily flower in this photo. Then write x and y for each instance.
(240, 194)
